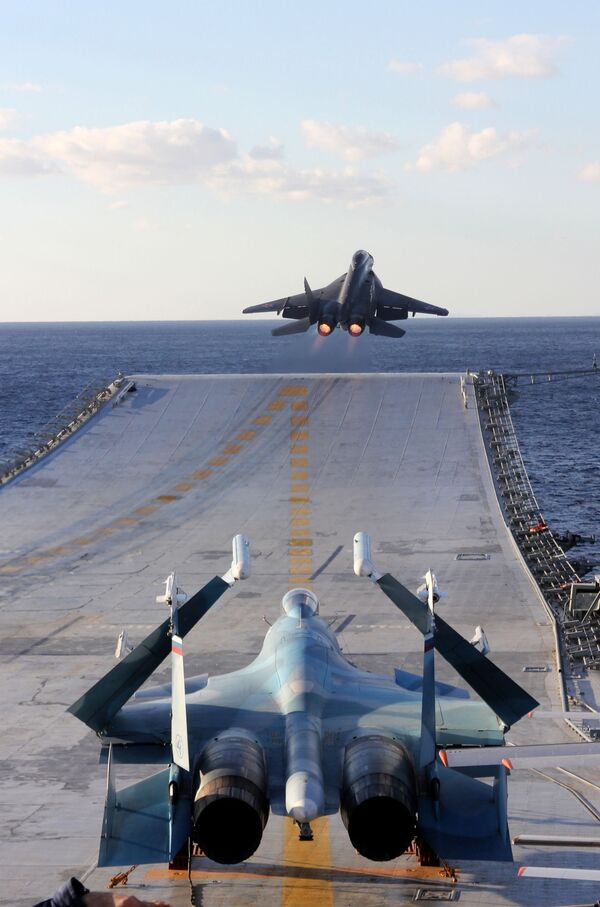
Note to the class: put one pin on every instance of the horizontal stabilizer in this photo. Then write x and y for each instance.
(505, 697)
(467, 822)
(384, 328)
(102, 701)
(295, 327)
(136, 823)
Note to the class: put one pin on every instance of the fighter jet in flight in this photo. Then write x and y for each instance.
(301, 732)
(354, 301)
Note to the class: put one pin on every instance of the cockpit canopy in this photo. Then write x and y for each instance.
(300, 603)
(359, 258)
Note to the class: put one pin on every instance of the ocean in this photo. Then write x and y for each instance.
(43, 366)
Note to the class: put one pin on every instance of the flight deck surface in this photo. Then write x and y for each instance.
(162, 482)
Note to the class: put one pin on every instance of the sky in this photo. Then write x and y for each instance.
(184, 160)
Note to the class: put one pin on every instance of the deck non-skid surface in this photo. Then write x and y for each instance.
(162, 482)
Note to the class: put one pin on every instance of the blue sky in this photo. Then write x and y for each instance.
(184, 161)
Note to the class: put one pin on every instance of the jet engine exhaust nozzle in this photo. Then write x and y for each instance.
(355, 329)
(325, 328)
(231, 807)
(379, 799)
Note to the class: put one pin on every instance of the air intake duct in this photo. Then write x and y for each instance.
(231, 806)
(379, 798)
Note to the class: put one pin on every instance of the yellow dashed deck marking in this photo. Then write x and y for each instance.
(298, 474)
(298, 435)
(166, 498)
(299, 521)
(299, 420)
(12, 568)
(232, 448)
(246, 435)
(82, 541)
(184, 486)
(130, 520)
(218, 461)
(144, 511)
(299, 488)
(293, 390)
(299, 461)
(263, 420)
(299, 448)
(276, 405)
(202, 474)
(299, 404)
(310, 885)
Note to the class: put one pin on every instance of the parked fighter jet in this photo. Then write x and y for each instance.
(354, 301)
(303, 733)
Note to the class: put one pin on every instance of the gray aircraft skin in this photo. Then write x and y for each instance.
(302, 732)
(354, 301)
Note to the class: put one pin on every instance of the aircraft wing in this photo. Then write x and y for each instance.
(388, 301)
(297, 306)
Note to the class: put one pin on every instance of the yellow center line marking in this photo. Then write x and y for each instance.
(310, 884)
(130, 520)
(299, 420)
(263, 420)
(299, 521)
(298, 461)
(183, 486)
(299, 448)
(232, 448)
(299, 405)
(246, 435)
(218, 461)
(276, 405)
(298, 435)
(298, 474)
(165, 498)
(144, 511)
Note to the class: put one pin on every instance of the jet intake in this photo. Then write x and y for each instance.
(231, 806)
(379, 797)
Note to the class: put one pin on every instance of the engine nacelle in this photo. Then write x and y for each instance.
(379, 797)
(231, 806)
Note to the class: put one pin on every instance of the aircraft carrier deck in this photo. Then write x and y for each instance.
(298, 463)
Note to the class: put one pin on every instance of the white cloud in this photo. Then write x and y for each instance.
(473, 100)
(404, 67)
(271, 151)
(8, 116)
(144, 152)
(28, 86)
(349, 143)
(522, 56)
(185, 151)
(277, 180)
(18, 158)
(458, 148)
(590, 173)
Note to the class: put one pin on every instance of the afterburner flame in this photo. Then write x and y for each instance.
(356, 330)
(324, 329)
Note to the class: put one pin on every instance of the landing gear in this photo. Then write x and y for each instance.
(425, 855)
(305, 832)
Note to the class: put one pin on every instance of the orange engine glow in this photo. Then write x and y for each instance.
(324, 329)
(355, 329)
